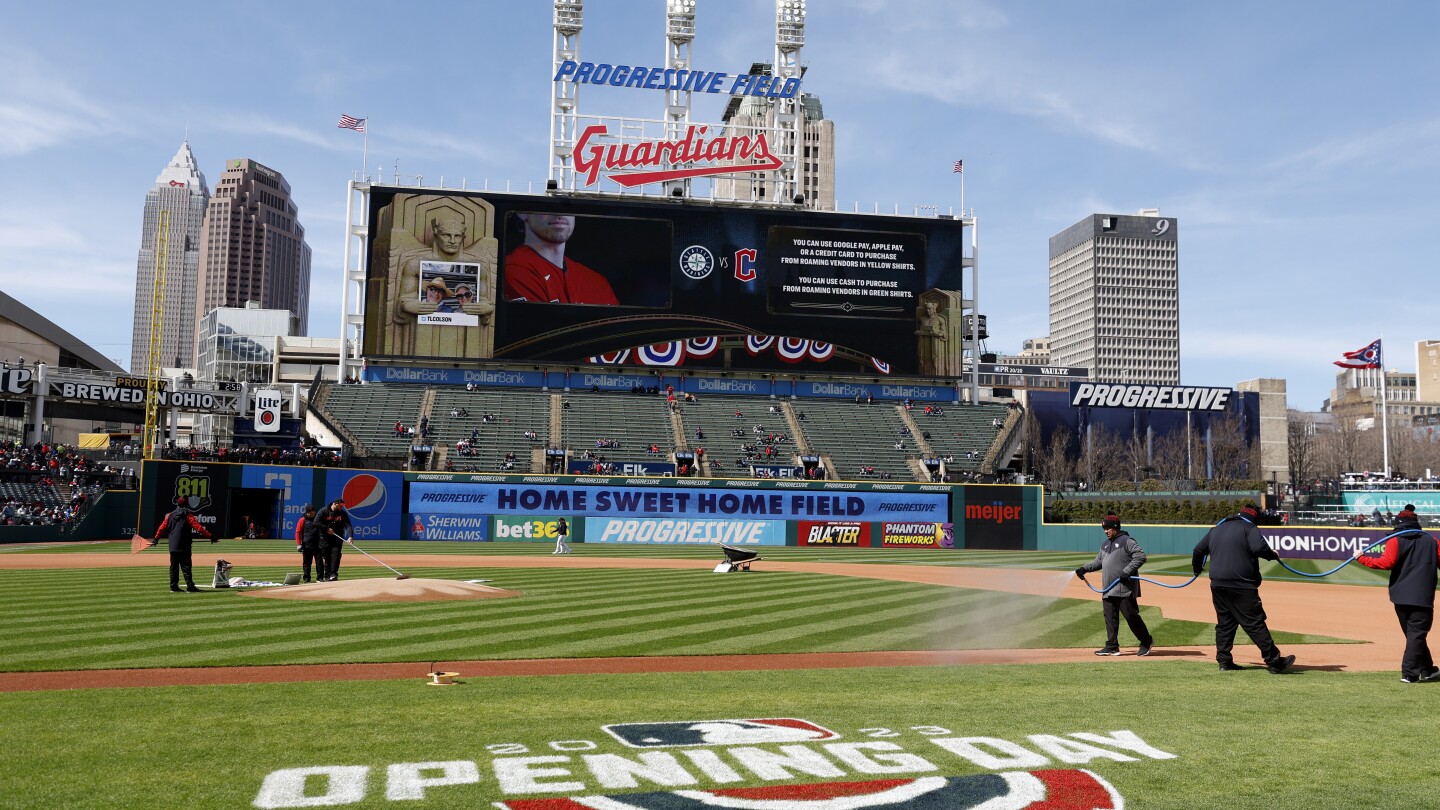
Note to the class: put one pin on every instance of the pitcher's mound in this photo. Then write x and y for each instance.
(385, 590)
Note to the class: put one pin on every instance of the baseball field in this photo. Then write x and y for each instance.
(616, 678)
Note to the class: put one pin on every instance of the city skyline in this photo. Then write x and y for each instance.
(1278, 150)
(180, 193)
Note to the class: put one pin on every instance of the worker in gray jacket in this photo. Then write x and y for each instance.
(1119, 560)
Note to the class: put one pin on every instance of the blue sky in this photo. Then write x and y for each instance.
(1297, 143)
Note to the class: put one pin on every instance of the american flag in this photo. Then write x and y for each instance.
(959, 167)
(1368, 357)
(357, 124)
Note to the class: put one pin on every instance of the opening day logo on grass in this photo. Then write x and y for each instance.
(706, 764)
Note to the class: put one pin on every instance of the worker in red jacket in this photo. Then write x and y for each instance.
(1412, 558)
(180, 526)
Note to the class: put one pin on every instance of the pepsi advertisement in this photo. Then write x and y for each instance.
(375, 500)
(651, 282)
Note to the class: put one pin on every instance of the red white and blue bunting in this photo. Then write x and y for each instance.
(821, 351)
(662, 354)
(702, 347)
(757, 344)
(611, 358)
(792, 350)
(880, 365)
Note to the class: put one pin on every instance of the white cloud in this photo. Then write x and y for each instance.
(1389, 145)
(40, 109)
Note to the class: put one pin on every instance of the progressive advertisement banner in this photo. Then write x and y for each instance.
(512, 499)
(681, 531)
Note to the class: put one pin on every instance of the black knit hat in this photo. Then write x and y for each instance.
(1250, 511)
(1110, 521)
(1407, 519)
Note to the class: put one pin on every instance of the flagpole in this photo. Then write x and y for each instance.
(1384, 411)
(364, 148)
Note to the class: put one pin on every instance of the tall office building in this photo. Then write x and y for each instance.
(814, 177)
(180, 189)
(1115, 298)
(252, 247)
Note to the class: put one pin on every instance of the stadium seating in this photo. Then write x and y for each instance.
(636, 421)
(370, 412)
(715, 417)
(960, 430)
(858, 438)
(514, 413)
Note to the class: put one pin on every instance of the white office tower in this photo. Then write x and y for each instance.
(180, 189)
(1115, 298)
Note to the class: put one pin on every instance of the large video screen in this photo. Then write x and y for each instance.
(502, 277)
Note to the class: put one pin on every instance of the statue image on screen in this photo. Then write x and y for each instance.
(441, 277)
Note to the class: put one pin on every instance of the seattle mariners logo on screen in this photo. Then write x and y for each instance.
(696, 262)
(718, 732)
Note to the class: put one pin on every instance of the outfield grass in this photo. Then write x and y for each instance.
(1241, 740)
(124, 617)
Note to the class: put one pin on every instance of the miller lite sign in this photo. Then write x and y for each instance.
(267, 403)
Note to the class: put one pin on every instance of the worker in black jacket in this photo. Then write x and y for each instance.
(1235, 548)
(1119, 558)
(333, 526)
(1411, 558)
(307, 541)
(180, 526)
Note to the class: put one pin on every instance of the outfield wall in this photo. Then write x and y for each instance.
(619, 510)
(1290, 542)
(603, 509)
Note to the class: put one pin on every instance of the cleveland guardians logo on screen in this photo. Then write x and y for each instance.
(994, 517)
(372, 499)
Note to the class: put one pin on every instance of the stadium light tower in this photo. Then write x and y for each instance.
(789, 40)
(679, 36)
(564, 96)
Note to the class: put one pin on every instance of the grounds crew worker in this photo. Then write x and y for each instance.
(1411, 558)
(181, 526)
(562, 531)
(1119, 558)
(307, 542)
(1235, 547)
(333, 527)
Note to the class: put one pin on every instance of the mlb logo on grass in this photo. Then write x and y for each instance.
(719, 732)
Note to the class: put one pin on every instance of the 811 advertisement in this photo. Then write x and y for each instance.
(373, 499)
(737, 763)
(202, 488)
